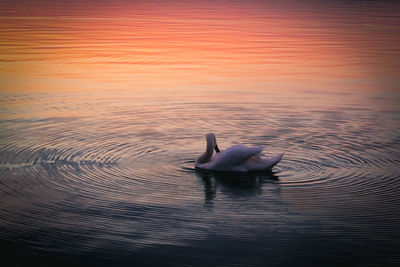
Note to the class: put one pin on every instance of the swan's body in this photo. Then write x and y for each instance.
(238, 158)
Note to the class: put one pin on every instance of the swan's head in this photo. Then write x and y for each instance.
(212, 142)
(211, 146)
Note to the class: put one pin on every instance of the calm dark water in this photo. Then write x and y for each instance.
(116, 184)
(104, 108)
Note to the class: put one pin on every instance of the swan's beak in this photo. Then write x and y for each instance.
(216, 149)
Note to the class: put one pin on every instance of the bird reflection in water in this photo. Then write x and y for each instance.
(234, 184)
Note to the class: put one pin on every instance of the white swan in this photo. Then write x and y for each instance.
(237, 158)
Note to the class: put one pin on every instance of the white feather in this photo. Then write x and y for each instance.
(238, 158)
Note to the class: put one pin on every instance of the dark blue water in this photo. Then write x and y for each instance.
(116, 184)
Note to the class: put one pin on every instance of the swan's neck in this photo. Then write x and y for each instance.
(206, 156)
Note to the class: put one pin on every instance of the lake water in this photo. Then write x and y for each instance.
(104, 107)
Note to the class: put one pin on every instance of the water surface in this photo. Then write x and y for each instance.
(104, 109)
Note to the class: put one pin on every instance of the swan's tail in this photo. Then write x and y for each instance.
(271, 162)
(262, 164)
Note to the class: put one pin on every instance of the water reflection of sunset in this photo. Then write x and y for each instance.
(134, 45)
(104, 106)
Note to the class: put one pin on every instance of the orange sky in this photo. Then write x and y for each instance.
(199, 44)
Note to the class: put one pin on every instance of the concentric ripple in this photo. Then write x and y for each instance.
(120, 180)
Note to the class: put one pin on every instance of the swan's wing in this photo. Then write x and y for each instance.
(235, 155)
